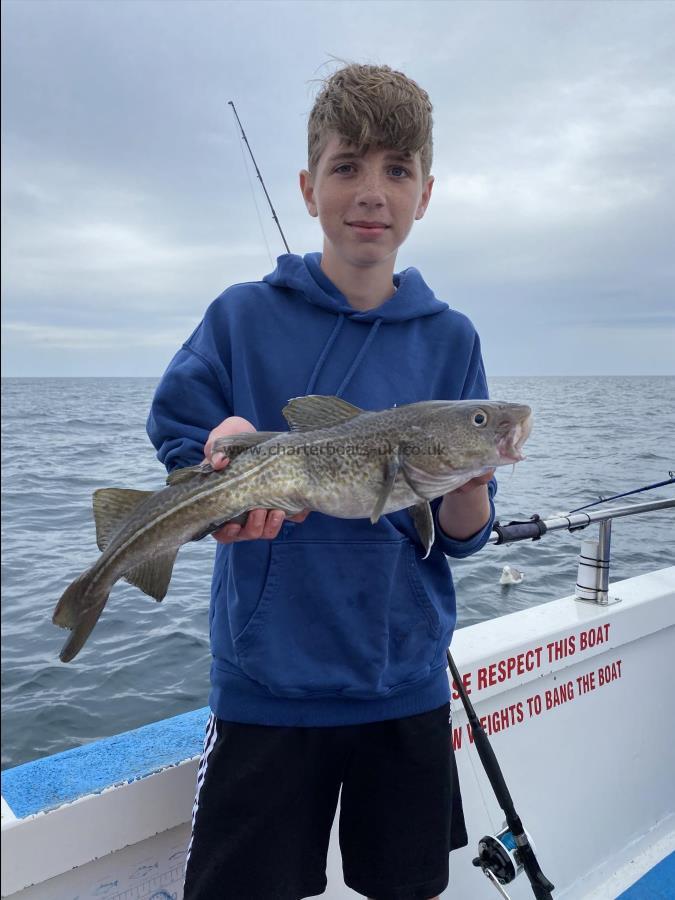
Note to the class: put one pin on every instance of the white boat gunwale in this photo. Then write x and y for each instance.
(152, 772)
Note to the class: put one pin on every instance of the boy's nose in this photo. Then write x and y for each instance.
(370, 193)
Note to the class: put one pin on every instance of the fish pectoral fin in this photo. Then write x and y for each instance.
(423, 521)
(154, 575)
(180, 476)
(317, 411)
(413, 480)
(391, 469)
(112, 507)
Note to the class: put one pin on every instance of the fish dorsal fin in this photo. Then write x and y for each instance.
(230, 445)
(154, 575)
(112, 507)
(316, 411)
(187, 473)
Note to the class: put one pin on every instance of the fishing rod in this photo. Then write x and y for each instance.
(491, 850)
(501, 857)
(257, 170)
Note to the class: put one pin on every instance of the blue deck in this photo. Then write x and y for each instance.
(46, 783)
(657, 884)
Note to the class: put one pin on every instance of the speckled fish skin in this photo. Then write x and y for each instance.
(337, 459)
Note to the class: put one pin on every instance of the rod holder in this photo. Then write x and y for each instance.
(593, 570)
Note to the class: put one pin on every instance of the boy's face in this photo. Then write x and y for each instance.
(366, 204)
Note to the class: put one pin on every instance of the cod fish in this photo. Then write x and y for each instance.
(336, 459)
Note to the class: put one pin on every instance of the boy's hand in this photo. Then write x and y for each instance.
(261, 523)
(464, 511)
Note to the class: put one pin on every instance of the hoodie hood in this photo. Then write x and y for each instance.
(413, 298)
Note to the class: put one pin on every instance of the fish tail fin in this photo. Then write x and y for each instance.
(79, 610)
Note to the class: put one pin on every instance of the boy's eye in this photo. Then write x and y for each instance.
(399, 171)
(344, 169)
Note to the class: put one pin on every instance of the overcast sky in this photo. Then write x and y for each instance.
(127, 206)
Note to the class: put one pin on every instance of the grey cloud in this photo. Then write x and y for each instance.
(127, 206)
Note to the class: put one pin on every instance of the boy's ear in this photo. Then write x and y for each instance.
(307, 190)
(424, 199)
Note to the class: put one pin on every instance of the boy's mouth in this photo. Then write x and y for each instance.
(369, 228)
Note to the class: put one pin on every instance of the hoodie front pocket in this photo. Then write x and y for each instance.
(316, 630)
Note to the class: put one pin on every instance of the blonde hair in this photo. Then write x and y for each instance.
(372, 106)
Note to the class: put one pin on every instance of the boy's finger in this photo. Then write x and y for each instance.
(254, 525)
(227, 534)
(275, 519)
(300, 517)
(219, 460)
(261, 523)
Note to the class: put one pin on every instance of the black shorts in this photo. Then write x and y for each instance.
(266, 799)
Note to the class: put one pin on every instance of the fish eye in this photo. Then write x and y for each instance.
(479, 418)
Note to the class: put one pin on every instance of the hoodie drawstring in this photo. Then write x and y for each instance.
(324, 353)
(355, 363)
(359, 356)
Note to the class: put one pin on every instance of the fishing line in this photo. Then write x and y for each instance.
(479, 783)
(257, 171)
(513, 841)
(255, 202)
(648, 487)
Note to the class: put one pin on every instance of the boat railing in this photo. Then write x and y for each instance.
(594, 558)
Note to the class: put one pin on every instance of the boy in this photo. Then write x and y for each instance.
(328, 636)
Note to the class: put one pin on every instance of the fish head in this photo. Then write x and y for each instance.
(469, 435)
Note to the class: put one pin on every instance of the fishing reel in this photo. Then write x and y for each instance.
(499, 858)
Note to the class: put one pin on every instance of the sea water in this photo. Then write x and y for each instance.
(64, 438)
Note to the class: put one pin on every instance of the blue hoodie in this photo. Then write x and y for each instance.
(336, 621)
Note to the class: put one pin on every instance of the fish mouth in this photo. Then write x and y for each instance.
(509, 445)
